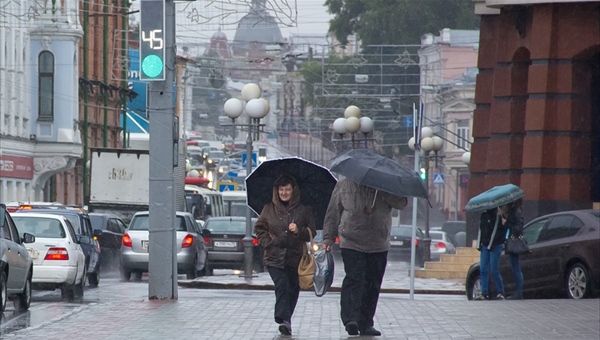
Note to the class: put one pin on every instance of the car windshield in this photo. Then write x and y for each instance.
(405, 231)
(216, 154)
(41, 227)
(436, 236)
(226, 226)
(142, 222)
(97, 222)
(72, 217)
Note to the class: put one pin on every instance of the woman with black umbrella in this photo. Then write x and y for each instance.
(282, 229)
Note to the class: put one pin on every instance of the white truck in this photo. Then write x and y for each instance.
(119, 182)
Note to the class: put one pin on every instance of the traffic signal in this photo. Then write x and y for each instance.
(423, 174)
(152, 40)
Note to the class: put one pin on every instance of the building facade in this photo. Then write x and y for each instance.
(39, 134)
(537, 119)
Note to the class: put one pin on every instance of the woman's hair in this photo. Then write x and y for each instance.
(284, 180)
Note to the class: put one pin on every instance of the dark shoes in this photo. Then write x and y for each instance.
(370, 331)
(285, 328)
(352, 328)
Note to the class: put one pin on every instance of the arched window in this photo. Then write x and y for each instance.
(46, 85)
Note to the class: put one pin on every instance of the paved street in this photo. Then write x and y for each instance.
(121, 310)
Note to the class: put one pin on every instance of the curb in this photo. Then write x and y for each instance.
(246, 286)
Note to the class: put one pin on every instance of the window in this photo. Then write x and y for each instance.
(113, 226)
(6, 230)
(46, 85)
(561, 227)
(462, 135)
(532, 232)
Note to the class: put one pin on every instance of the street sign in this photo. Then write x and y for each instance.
(438, 178)
(226, 186)
(254, 160)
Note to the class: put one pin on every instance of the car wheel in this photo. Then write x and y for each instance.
(93, 279)
(474, 287)
(125, 274)
(3, 292)
(208, 269)
(192, 270)
(578, 282)
(137, 276)
(78, 288)
(23, 301)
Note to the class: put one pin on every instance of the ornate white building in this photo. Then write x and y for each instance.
(39, 134)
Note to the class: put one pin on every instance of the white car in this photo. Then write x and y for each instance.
(58, 259)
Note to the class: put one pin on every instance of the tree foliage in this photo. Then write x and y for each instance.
(396, 22)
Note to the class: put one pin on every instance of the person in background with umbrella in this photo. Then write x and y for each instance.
(282, 229)
(361, 217)
(490, 243)
(512, 218)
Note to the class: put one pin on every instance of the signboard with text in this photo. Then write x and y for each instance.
(16, 167)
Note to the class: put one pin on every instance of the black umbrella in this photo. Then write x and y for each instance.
(315, 181)
(370, 169)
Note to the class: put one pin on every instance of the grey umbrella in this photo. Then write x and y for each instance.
(370, 169)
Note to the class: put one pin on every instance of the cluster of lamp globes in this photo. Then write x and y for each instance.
(255, 107)
(353, 122)
(429, 143)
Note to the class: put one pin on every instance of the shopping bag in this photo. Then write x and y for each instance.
(324, 268)
(306, 268)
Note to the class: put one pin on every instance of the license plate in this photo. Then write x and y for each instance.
(145, 244)
(34, 254)
(225, 244)
(397, 243)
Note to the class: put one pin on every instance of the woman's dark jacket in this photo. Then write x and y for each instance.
(282, 247)
(514, 222)
(486, 229)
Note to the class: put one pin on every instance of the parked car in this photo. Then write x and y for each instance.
(226, 246)
(82, 225)
(457, 231)
(192, 251)
(109, 229)
(440, 244)
(16, 265)
(58, 258)
(400, 241)
(564, 258)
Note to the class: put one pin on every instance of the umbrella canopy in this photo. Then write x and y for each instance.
(494, 197)
(315, 181)
(370, 169)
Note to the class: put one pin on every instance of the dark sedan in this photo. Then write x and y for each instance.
(226, 246)
(564, 258)
(400, 240)
(111, 229)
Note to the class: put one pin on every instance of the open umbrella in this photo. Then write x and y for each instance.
(370, 169)
(494, 197)
(315, 181)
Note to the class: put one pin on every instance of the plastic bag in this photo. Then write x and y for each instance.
(323, 271)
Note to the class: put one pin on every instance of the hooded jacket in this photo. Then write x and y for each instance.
(360, 216)
(488, 237)
(282, 247)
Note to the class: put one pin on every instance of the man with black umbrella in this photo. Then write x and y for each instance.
(361, 217)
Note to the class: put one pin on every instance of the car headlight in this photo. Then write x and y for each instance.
(210, 161)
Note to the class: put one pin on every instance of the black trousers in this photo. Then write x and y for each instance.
(287, 291)
(361, 286)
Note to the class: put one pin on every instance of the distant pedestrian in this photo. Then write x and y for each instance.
(361, 217)
(490, 243)
(512, 218)
(282, 229)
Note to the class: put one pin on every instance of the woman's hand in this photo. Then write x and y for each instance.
(293, 227)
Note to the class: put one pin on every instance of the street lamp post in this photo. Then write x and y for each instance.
(428, 143)
(352, 123)
(256, 108)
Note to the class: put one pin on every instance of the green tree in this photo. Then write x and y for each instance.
(396, 22)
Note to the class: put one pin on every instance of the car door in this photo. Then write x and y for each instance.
(199, 241)
(16, 254)
(553, 246)
(531, 263)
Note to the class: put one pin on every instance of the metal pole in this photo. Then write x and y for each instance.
(248, 238)
(414, 231)
(162, 263)
(427, 238)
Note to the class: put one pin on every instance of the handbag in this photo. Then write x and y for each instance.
(306, 268)
(516, 245)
